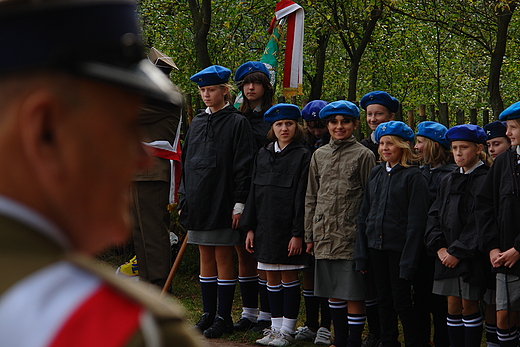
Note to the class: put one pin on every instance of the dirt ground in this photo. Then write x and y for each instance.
(223, 343)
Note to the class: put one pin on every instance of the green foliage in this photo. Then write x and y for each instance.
(420, 51)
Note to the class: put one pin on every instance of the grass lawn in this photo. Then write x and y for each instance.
(185, 288)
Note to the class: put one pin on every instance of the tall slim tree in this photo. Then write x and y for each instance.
(201, 14)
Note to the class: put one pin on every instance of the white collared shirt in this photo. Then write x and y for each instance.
(473, 168)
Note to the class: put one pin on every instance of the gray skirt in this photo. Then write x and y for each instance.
(455, 286)
(338, 279)
(216, 237)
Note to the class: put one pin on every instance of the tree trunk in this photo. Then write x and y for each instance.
(317, 80)
(357, 52)
(201, 14)
(497, 57)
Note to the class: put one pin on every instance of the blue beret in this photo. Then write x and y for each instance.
(312, 110)
(92, 38)
(467, 132)
(512, 112)
(282, 111)
(250, 67)
(495, 129)
(212, 75)
(340, 107)
(381, 98)
(395, 128)
(433, 131)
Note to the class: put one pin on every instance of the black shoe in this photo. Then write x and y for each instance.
(370, 341)
(204, 322)
(261, 325)
(220, 327)
(243, 324)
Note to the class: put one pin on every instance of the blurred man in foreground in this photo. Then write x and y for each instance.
(71, 82)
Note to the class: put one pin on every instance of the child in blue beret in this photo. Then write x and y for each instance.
(253, 80)
(273, 218)
(337, 180)
(497, 140)
(434, 150)
(460, 269)
(498, 203)
(391, 226)
(380, 107)
(217, 163)
(317, 134)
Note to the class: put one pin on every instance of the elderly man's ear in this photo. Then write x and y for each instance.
(40, 116)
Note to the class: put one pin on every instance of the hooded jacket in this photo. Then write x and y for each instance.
(393, 216)
(275, 206)
(452, 224)
(338, 174)
(217, 161)
(498, 205)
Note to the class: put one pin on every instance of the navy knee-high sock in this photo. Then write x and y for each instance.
(249, 293)
(508, 337)
(208, 288)
(455, 330)
(265, 310)
(374, 326)
(338, 312)
(275, 293)
(491, 333)
(226, 294)
(312, 309)
(291, 299)
(291, 305)
(356, 324)
(325, 313)
(472, 329)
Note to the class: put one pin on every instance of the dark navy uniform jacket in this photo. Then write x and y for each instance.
(275, 206)
(217, 163)
(498, 207)
(393, 216)
(452, 224)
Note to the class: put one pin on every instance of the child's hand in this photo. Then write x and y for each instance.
(235, 218)
(295, 246)
(309, 247)
(493, 256)
(249, 241)
(450, 261)
(508, 258)
(447, 259)
(442, 253)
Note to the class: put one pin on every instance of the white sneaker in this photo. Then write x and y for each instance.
(322, 337)
(305, 334)
(282, 339)
(269, 335)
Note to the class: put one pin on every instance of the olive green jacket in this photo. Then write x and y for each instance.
(338, 174)
(24, 251)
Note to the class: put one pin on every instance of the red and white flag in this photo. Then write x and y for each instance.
(293, 67)
(163, 149)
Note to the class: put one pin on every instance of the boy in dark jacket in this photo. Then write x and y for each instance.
(451, 235)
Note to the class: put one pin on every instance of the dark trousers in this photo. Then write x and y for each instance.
(395, 296)
(151, 225)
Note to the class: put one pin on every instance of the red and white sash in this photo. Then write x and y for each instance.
(293, 67)
(163, 149)
(62, 306)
